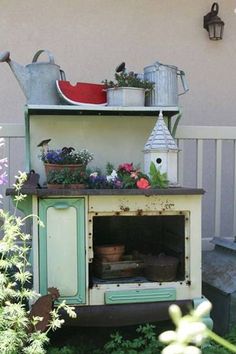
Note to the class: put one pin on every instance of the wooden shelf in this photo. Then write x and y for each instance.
(43, 192)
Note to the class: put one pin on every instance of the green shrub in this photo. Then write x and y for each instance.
(18, 334)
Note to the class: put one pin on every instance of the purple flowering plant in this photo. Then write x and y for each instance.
(66, 156)
(99, 181)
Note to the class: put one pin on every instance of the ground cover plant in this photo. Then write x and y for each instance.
(145, 340)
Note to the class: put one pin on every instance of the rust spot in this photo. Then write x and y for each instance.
(139, 212)
(117, 213)
(124, 208)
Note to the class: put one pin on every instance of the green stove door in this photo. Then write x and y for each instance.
(62, 248)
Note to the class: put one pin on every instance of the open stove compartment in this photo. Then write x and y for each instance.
(147, 240)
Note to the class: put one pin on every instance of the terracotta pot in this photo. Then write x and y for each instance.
(56, 186)
(58, 167)
(77, 186)
(110, 253)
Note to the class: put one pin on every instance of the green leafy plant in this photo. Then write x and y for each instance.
(123, 79)
(66, 176)
(64, 350)
(147, 342)
(18, 333)
(157, 179)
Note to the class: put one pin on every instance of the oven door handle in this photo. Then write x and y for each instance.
(61, 205)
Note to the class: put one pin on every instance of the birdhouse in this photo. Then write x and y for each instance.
(162, 150)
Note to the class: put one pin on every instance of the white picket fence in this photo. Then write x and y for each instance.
(207, 159)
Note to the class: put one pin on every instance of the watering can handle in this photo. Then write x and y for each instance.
(184, 82)
(63, 75)
(39, 52)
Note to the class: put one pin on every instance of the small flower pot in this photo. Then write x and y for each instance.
(109, 253)
(56, 186)
(126, 96)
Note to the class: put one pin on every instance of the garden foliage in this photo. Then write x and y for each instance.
(18, 334)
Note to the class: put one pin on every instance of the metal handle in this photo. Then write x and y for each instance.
(39, 52)
(215, 8)
(63, 75)
(61, 205)
(181, 73)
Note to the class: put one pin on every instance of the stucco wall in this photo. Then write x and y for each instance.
(90, 37)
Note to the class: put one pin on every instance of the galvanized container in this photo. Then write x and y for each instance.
(126, 96)
(43, 76)
(165, 77)
(37, 79)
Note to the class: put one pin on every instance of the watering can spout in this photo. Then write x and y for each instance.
(37, 79)
(21, 72)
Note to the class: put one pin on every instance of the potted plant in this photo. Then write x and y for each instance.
(65, 178)
(128, 89)
(67, 157)
(127, 176)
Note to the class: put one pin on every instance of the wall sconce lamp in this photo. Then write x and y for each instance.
(213, 23)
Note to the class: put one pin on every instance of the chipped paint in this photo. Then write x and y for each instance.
(167, 205)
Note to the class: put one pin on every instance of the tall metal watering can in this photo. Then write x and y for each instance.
(38, 79)
(165, 91)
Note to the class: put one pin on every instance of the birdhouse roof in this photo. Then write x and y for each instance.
(160, 138)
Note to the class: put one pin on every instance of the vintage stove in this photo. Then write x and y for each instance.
(154, 221)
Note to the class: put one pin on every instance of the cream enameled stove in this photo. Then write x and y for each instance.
(149, 221)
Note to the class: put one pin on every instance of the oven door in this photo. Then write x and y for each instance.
(62, 248)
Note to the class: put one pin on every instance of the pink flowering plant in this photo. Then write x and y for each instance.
(132, 177)
(127, 176)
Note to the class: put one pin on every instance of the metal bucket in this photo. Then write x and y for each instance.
(165, 77)
(42, 78)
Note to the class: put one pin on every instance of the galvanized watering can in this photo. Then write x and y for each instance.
(165, 77)
(38, 79)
